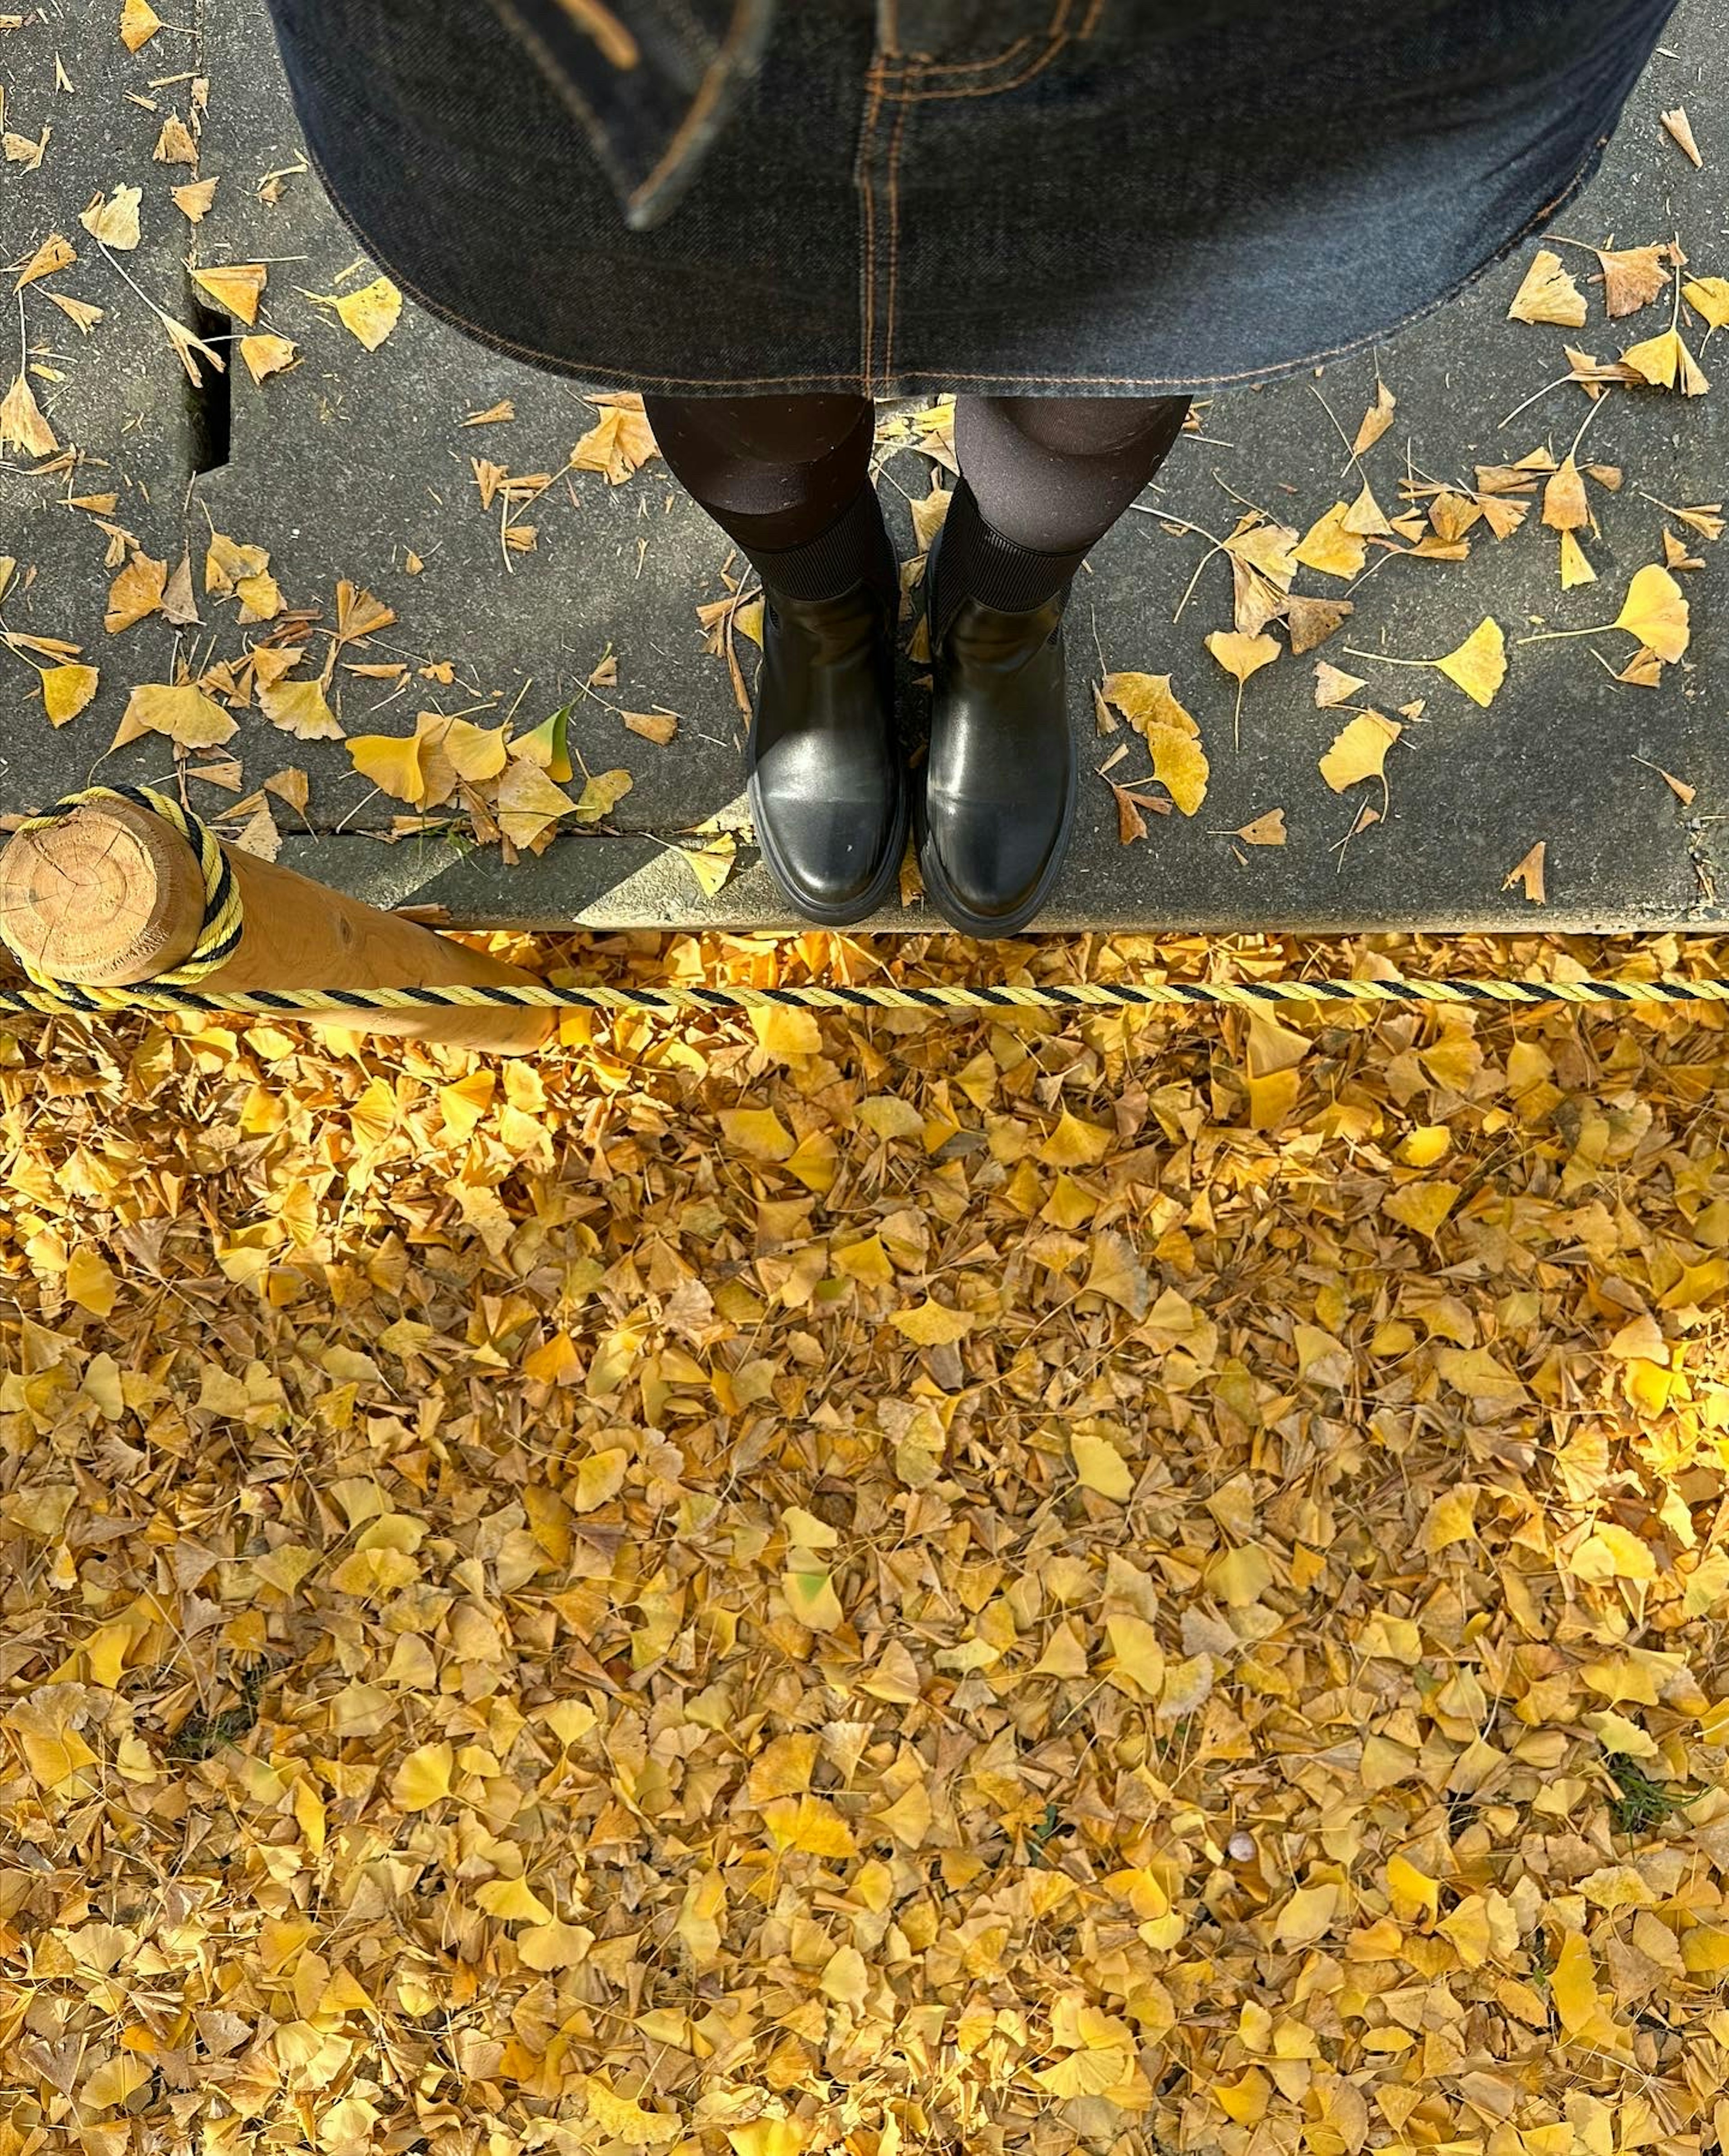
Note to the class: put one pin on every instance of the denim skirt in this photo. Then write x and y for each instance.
(898, 197)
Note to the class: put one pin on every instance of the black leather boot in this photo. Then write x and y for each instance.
(826, 777)
(1000, 780)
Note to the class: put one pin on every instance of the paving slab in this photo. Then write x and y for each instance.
(358, 466)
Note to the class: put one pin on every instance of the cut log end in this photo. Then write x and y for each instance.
(108, 897)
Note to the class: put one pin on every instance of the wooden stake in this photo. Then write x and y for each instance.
(112, 896)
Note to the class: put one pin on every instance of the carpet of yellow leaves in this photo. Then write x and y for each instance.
(1148, 1582)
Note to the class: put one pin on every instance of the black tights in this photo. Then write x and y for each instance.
(1051, 475)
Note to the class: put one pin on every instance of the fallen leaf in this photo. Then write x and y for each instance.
(1333, 685)
(529, 806)
(619, 443)
(175, 144)
(657, 726)
(1655, 611)
(266, 354)
(1479, 665)
(139, 23)
(1327, 547)
(83, 314)
(711, 863)
(1565, 508)
(1681, 129)
(1173, 740)
(1241, 657)
(1575, 568)
(1677, 554)
(66, 690)
(1665, 363)
(1359, 752)
(371, 312)
(135, 592)
(22, 423)
(300, 708)
(114, 220)
(601, 794)
(54, 254)
(193, 200)
(1547, 294)
(1268, 830)
(1099, 1466)
(1709, 299)
(236, 286)
(1310, 622)
(185, 714)
(1376, 420)
(395, 763)
(1530, 872)
(1365, 518)
(1632, 277)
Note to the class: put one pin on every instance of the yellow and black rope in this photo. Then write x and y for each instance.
(178, 990)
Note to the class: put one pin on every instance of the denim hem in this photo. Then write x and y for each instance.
(915, 381)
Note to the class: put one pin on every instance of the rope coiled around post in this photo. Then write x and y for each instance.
(218, 933)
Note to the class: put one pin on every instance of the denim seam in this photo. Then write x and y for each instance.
(893, 237)
(865, 182)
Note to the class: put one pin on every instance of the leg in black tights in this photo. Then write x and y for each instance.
(1043, 479)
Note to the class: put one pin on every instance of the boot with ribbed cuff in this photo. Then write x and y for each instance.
(1000, 780)
(826, 778)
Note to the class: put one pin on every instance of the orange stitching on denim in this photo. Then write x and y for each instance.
(931, 66)
(1058, 37)
(863, 180)
(893, 236)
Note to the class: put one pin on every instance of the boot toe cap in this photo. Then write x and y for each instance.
(828, 854)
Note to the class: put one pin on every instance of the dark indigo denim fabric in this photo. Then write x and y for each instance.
(899, 196)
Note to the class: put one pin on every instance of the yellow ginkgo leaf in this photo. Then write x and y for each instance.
(139, 23)
(1099, 1466)
(266, 354)
(1575, 567)
(66, 689)
(1655, 611)
(90, 1281)
(395, 763)
(1414, 1895)
(1137, 1653)
(556, 1945)
(115, 221)
(513, 1901)
(185, 714)
(1572, 1985)
(758, 1134)
(1308, 1915)
(713, 863)
(930, 1324)
(369, 313)
(1709, 299)
(300, 708)
(1173, 740)
(1479, 665)
(236, 286)
(1327, 546)
(423, 1777)
(22, 423)
(55, 254)
(1548, 294)
(529, 806)
(1666, 362)
(1359, 752)
(811, 1598)
(601, 794)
